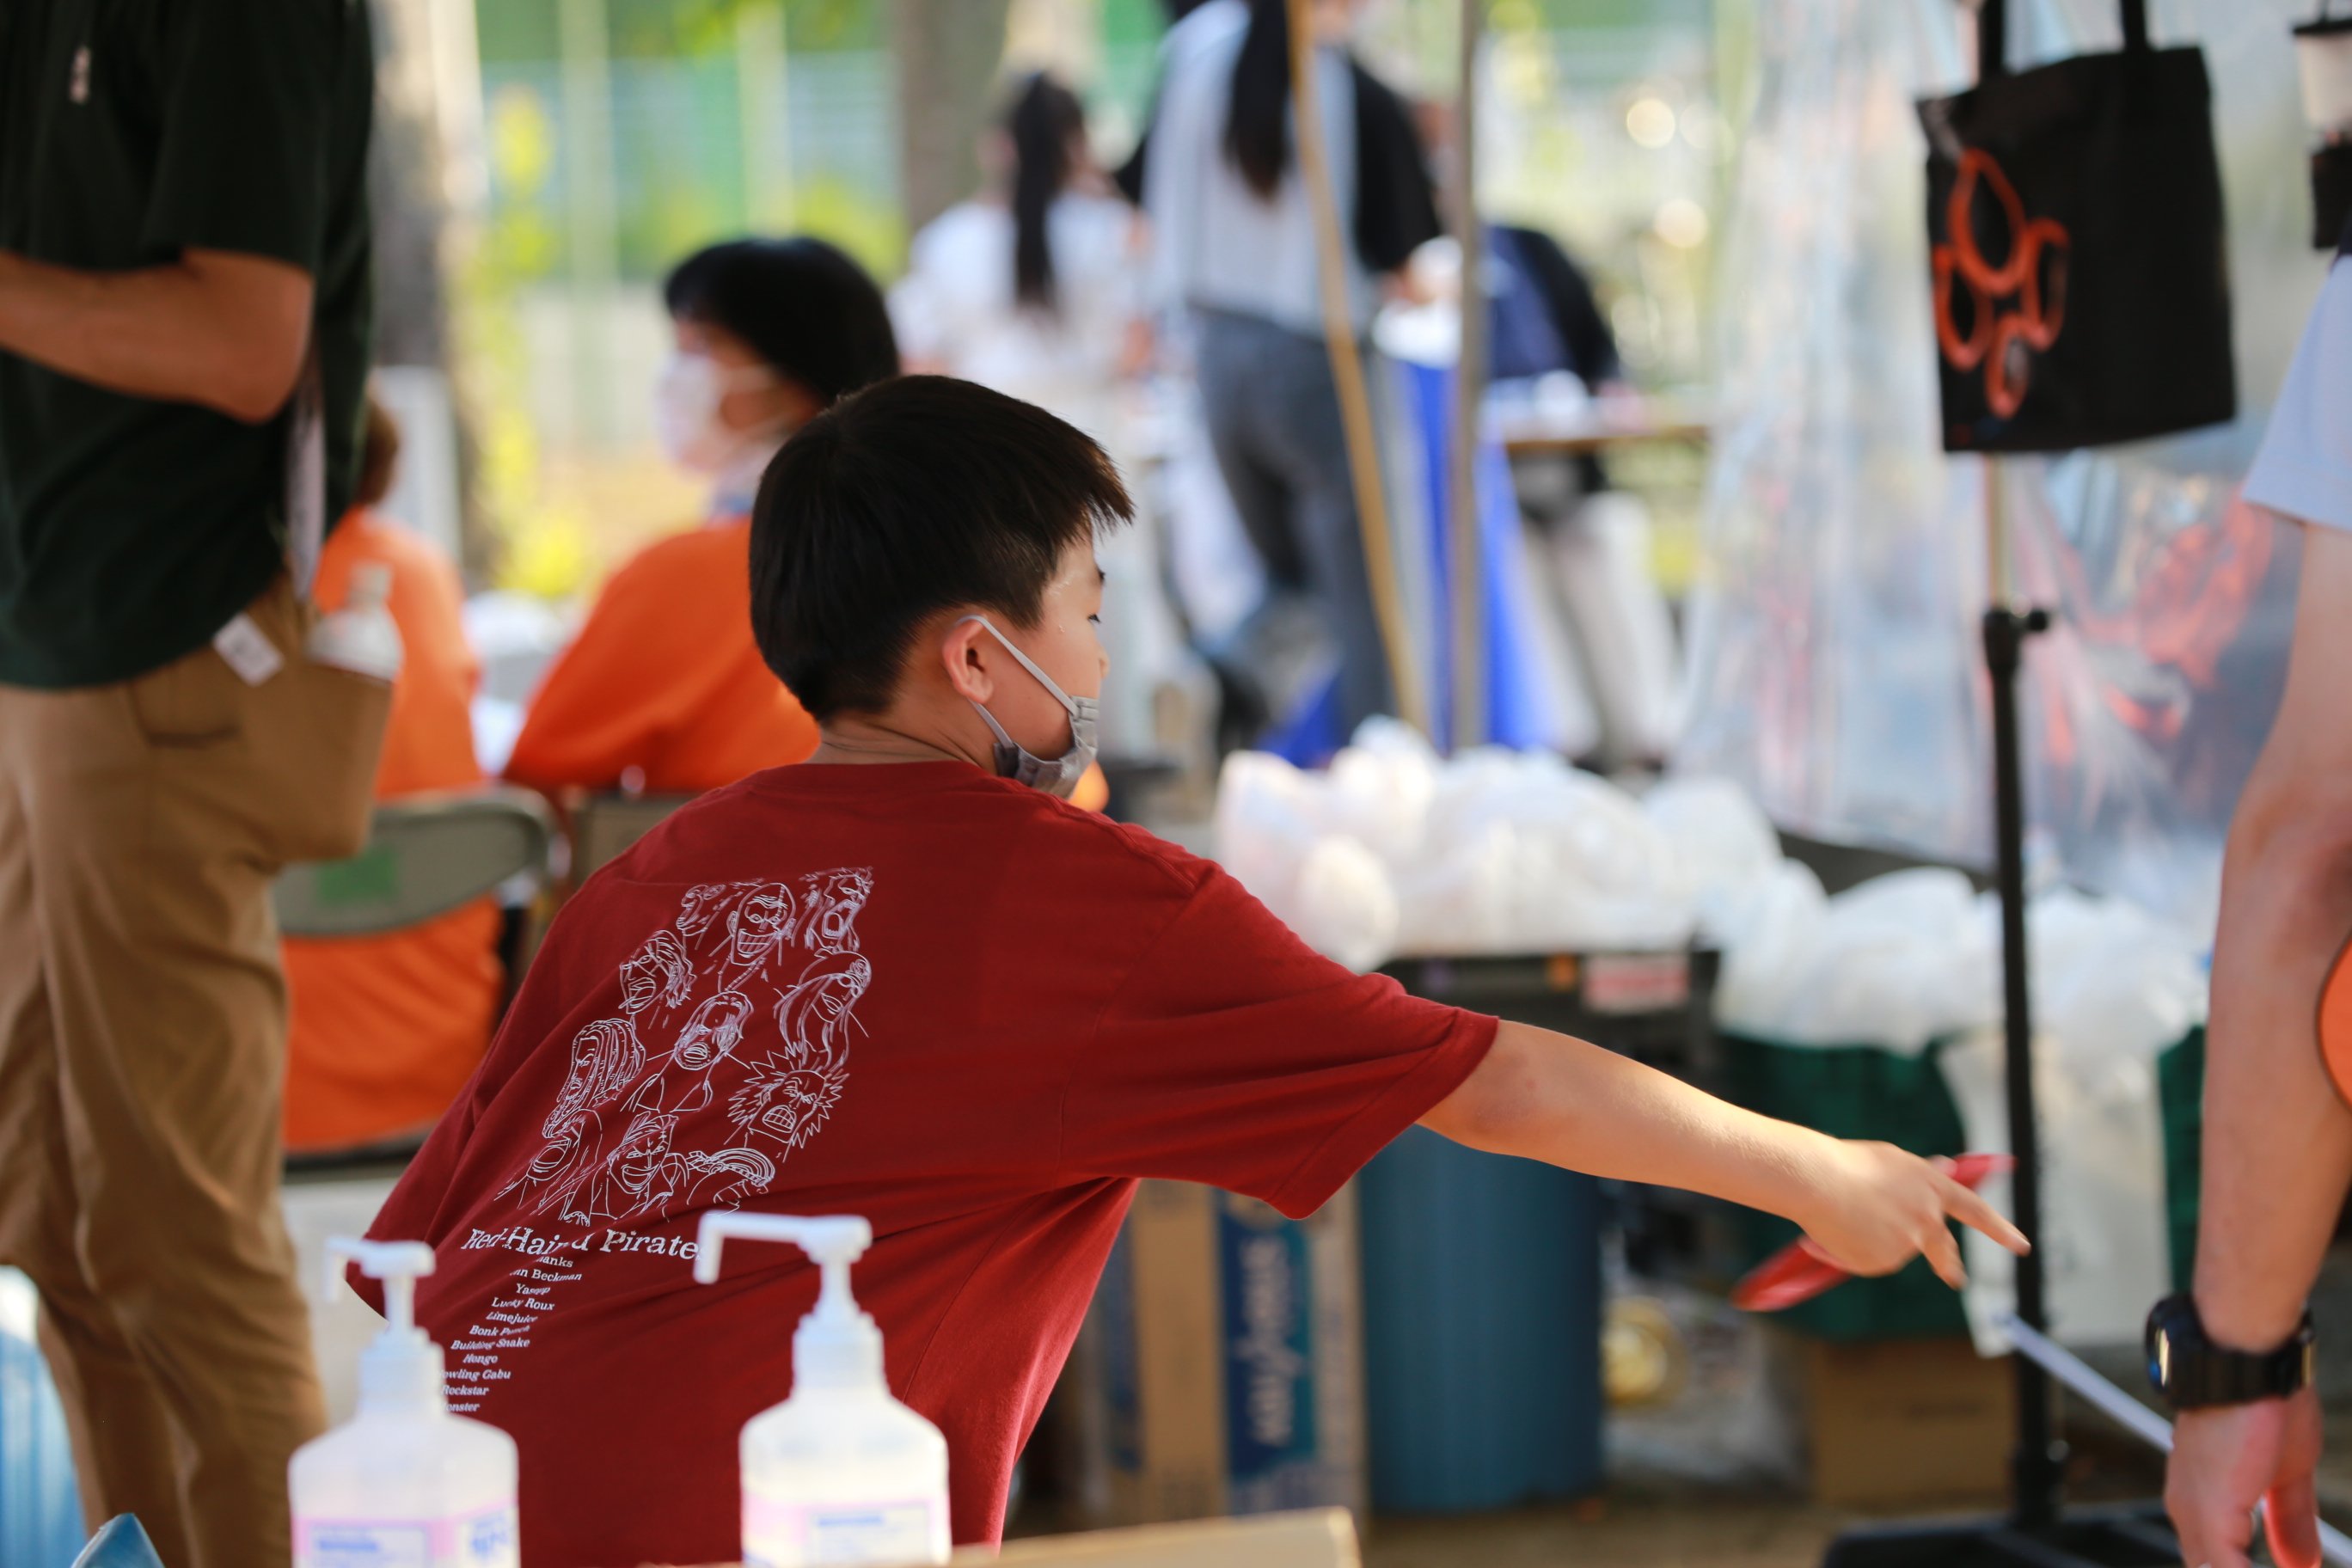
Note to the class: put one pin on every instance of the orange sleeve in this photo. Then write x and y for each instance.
(663, 677)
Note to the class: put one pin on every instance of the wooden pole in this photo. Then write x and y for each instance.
(1347, 372)
(1470, 718)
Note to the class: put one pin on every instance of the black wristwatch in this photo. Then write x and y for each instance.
(2190, 1371)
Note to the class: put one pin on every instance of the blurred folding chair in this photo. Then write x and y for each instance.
(1312, 1538)
(602, 826)
(424, 855)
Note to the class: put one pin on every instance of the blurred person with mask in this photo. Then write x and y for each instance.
(184, 318)
(1233, 248)
(387, 1027)
(663, 692)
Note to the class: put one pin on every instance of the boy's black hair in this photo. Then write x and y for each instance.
(803, 305)
(911, 497)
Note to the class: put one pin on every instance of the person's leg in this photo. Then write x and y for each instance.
(1231, 366)
(1260, 663)
(152, 857)
(1306, 441)
(122, 1438)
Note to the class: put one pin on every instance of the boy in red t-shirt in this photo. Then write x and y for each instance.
(902, 980)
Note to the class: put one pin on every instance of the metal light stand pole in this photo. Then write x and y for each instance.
(2038, 1465)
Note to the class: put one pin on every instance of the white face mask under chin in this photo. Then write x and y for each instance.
(686, 411)
(1057, 776)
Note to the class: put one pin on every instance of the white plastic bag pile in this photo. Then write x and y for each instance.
(1904, 958)
(1394, 850)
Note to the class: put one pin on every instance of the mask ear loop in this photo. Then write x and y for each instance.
(1068, 704)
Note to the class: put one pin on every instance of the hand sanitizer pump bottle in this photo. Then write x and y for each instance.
(404, 1481)
(841, 1472)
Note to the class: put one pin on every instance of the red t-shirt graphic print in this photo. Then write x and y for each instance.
(966, 1011)
(757, 983)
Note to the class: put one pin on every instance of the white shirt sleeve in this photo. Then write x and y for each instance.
(2305, 468)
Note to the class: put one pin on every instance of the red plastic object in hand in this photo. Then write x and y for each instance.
(1798, 1272)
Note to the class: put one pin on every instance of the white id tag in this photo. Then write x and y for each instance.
(247, 650)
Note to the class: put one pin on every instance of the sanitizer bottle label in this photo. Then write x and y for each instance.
(837, 1535)
(484, 1539)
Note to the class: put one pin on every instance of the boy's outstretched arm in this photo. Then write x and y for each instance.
(1870, 1206)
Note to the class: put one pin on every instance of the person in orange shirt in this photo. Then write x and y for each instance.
(663, 689)
(386, 1029)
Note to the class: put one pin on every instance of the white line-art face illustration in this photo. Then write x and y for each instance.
(605, 1059)
(762, 923)
(643, 1151)
(714, 1031)
(659, 970)
(705, 904)
(785, 1103)
(814, 1014)
(753, 1073)
(833, 900)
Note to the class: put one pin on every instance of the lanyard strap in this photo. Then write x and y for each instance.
(306, 474)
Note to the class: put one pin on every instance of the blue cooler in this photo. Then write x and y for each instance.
(1482, 1328)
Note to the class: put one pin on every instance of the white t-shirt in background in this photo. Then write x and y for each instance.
(1215, 243)
(955, 307)
(2305, 468)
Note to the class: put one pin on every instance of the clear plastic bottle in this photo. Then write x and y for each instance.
(361, 636)
(841, 1472)
(404, 1483)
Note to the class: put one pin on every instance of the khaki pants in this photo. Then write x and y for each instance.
(141, 1044)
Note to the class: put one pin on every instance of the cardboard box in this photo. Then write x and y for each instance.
(1221, 1370)
(1899, 1422)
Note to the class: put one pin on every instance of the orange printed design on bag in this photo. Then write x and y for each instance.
(1998, 340)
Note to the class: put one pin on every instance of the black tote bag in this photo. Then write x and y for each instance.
(2082, 292)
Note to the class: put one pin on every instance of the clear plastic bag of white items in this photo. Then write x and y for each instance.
(1906, 959)
(1393, 849)
(1835, 667)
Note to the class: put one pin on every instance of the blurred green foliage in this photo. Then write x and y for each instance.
(653, 29)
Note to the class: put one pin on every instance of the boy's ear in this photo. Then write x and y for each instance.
(964, 647)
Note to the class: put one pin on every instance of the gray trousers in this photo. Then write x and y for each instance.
(1273, 419)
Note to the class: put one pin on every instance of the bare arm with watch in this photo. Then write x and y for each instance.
(2278, 1135)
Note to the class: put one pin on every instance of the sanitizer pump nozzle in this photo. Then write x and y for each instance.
(836, 1345)
(401, 1366)
(841, 1472)
(404, 1480)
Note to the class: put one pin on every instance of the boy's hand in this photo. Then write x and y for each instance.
(1878, 1207)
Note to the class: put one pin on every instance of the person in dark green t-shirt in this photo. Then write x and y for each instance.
(183, 336)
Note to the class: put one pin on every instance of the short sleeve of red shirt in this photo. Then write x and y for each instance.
(1236, 1056)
